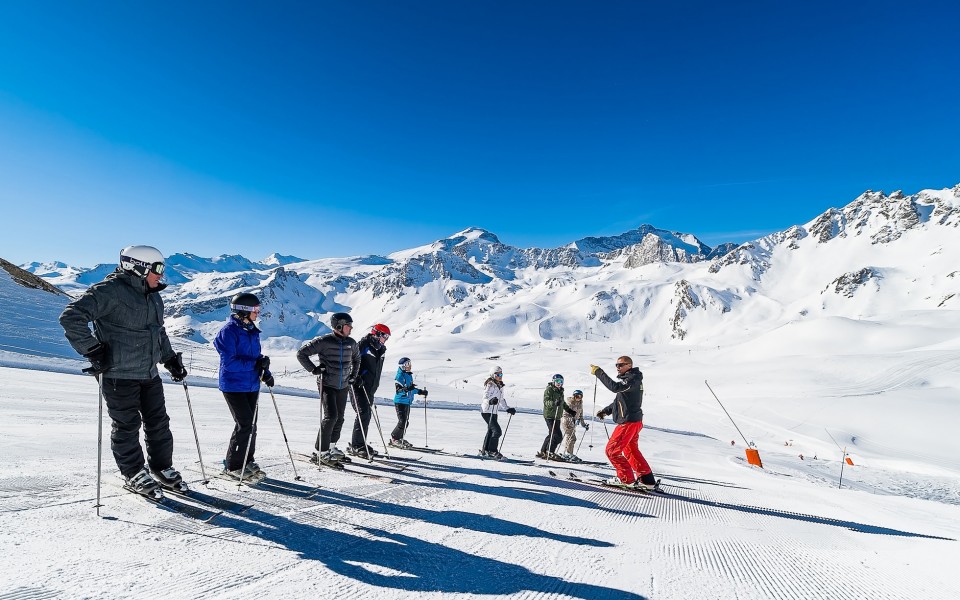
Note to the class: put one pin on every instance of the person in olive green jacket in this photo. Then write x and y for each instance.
(553, 409)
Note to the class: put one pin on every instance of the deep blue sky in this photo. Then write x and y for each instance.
(339, 128)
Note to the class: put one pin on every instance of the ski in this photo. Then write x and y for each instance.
(596, 481)
(512, 461)
(173, 505)
(591, 463)
(339, 467)
(212, 501)
(420, 449)
(271, 485)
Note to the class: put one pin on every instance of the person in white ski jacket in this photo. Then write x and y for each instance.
(492, 403)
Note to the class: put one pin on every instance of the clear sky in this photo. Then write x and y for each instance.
(334, 128)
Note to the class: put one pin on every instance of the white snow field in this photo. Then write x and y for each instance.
(843, 334)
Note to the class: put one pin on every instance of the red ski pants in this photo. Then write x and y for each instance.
(624, 453)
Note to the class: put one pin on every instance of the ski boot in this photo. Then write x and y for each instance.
(171, 479)
(251, 473)
(338, 455)
(542, 454)
(145, 485)
(326, 459)
(616, 482)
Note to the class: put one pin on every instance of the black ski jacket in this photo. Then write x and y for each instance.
(625, 408)
(128, 317)
(371, 366)
(338, 354)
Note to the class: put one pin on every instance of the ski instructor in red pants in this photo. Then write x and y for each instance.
(622, 449)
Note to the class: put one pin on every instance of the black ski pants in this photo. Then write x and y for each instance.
(130, 403)
(492, 438)
(403, 421)
(334, 403)
(242, 405)
(362, 423)
(554, 435)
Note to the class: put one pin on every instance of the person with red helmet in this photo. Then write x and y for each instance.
(372, 348)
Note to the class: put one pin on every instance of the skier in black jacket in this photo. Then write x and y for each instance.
(622, 449)
(128, 341)
(339, 362)
(372, 349)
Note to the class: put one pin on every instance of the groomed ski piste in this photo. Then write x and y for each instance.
(453, 526)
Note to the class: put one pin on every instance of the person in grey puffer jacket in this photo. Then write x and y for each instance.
(127, 342)
(338, 356)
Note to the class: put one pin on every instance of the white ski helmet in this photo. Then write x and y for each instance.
(495, 370)
(141, 260)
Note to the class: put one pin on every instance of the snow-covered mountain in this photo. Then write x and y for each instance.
(879, 254)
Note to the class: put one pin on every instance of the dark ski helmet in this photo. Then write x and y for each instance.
(338, 320)
(558, 378)
(406, 364)
(244, 304)
(141, 260)
(578, 393)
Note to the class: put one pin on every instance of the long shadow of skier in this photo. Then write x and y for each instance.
(401, 562)
(451, 518)
(544, 492)
(851, 525)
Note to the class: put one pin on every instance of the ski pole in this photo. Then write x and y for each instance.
(296, 476)
(356, 407)
(426, 442)
(376, 419)
(553, 429)
(320, 433)
(749, 445)
(504, 438)
(99, 439)
(195, 436)
(246, 454)
(594, 410)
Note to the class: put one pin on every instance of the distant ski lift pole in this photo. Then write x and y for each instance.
(753, 455)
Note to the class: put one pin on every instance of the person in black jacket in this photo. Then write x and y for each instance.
(128, 341)
(339, 362)
(622, 449)
(372, 349)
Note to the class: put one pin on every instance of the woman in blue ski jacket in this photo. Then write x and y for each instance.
(402, 400)
(242, 368)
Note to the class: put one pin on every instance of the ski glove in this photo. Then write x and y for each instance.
(493, 401)
(176, 368)
(601, 414)
(511, 411)
(98, 359)
(263, 364)
(319, 370)
(267, 378)
(594, 369)
(422, 393)
(352, 379)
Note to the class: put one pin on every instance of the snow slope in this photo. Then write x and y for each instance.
(841, 334)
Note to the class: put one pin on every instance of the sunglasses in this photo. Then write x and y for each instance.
(498, 374)
(621, 365)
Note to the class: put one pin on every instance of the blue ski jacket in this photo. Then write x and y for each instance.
(405, 388)
(239, 349)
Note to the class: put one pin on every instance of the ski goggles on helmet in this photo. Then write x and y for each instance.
(498, 374)
(381, 335)
(241, 307)
(558, 380)
(141, 268)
